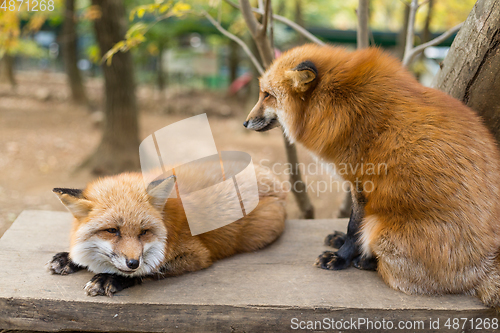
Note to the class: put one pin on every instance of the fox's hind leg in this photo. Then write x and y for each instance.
(347, 243)
(364, 263)
(62, 264)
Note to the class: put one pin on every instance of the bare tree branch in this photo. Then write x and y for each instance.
(410, 31)
(260, 4)
(410, 51)
(286, 21)
(416, 50)
(237, 40)
(251, 21)
(271, 27)
(258, 34)
(363, 17)
(265, 18)
(299, 29)
(266, 52)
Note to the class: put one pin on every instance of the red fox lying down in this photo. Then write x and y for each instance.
(430, 222)
(124, 233)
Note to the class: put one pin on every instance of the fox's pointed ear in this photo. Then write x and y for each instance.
(74, 201)
(159, 191)
(302, 75)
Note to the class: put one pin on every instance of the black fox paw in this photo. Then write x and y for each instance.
(335, 240)
(104, 284)
(367, 264)
(62, 264)
(330, 260)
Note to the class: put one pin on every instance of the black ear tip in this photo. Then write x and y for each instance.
(70, 191)
(158, 181)
(307, 65)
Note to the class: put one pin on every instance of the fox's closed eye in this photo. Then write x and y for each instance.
(112, 230)
(143, 232)
(266, 94)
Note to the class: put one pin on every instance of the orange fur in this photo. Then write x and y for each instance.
(432, 217)
(121, 202)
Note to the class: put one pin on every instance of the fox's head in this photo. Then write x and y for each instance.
(118, 226)
(317, 92)
(287, 83)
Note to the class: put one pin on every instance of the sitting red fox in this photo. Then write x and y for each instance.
(124, 233)
(430, 221)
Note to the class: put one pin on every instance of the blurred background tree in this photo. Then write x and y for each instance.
(471, 70)
(117, 151)
(68, 41)
(18, 26)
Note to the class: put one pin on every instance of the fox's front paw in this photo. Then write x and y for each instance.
(62, 264)
(330, 260)
(335, 240)
(104, 284)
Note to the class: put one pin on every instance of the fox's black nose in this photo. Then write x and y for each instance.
(132, 263)
(245, 123)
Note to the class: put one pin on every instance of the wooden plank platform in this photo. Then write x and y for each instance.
(253, 292)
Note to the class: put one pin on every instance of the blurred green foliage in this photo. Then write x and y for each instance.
(385, 15)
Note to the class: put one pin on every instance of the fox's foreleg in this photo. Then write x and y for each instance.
(104, 284)
(62, 264)
(101, 284)
(348, 245)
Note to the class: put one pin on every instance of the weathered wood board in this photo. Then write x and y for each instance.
(254, 292)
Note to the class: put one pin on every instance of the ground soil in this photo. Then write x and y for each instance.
(44, 138)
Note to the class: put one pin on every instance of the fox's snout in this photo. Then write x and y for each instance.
(278, 81)
(126, 265)
(263, 116)
(127, 254)
(132, 263)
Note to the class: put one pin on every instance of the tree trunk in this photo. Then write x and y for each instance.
(471, 70)
(266, 51)
(400, 47)
(363, 18)
(233, 61)
(69, 48)
(253, 86)
(426, 34)
(299, 188)
(161, 70)
(7, 70)
(119, 147)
